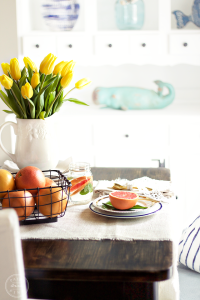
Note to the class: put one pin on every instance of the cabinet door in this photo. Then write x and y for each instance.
(185, 137)
(130, 144)
(39, 46)
(71, 46)
(111, 44)
(145, 44)
(184, 44)
(185, 177)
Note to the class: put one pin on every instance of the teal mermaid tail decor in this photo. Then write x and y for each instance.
(134, 98)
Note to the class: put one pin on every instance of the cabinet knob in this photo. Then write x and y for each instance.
(143, 45)
(126, 135)
(70, 45)
(37, 46)
(185, 44)
(110, 45)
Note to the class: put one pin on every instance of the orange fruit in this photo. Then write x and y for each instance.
(49, 182)
(21, 201)
(7, 182)
(30, 178)
(123, 200)
(51, 202)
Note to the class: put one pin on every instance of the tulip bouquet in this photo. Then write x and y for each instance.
(37, 95)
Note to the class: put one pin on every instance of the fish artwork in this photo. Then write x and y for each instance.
(126, 98)
(182, 19)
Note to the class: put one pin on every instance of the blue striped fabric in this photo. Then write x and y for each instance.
(189, 246)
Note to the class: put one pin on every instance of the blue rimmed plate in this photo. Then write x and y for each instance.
(131, 215)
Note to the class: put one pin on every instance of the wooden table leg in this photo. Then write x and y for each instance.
(70, 290)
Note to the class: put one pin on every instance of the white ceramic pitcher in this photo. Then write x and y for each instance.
(36, 143)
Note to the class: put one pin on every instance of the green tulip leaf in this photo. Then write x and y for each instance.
(48, 102)
(22, 81)
(49, 81)
(23, 72)
(30, 73)
(75, 101)
(8, 111)
(31, 107)
(10, 103)
(40, 105)
(42, 115)
(48, 77)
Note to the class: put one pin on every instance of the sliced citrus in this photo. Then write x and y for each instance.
(123, 200)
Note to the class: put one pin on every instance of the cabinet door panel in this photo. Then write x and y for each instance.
(132, 134)
(39, 46)
(145, 44)
(74, 46)
(185, 137)
(184, 44)
(111, 44)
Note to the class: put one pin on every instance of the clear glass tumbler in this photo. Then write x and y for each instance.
(129, 14)
(81, 178)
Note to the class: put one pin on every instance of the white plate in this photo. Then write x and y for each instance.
(98, 203)
(122, 216)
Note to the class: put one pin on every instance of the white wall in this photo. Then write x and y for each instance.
(8, 50)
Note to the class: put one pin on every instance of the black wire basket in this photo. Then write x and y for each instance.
(44, 205)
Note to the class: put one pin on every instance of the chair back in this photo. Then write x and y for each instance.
(12, 277)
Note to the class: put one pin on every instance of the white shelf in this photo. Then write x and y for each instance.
(161, 48)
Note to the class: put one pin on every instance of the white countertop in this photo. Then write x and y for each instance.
(95, 111)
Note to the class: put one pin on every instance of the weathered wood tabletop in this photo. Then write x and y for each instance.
(79, 270)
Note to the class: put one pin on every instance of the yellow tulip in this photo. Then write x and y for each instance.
(27, 91)
(58, 68)
(15, 69)
(65, 81)
(46, 66)
(28, 61)
(68, 67)
(6, 81)
(5, 68)
(35, 80)
(82, 83)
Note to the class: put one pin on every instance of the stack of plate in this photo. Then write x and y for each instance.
(98, 208)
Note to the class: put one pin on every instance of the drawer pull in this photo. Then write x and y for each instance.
(143, 45)
(70, 45)
(185, 44)
(126, 135)
(110, 45)
(37, 46)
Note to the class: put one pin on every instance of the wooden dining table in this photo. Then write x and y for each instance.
(103, 269)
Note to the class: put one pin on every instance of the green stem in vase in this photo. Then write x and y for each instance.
(24, 113)
(53, 102)
(43, 81)
(69, 92)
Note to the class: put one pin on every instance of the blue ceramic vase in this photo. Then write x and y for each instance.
(129, 14)
(60, 14)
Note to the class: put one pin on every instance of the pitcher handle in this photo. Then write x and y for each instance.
(14, 125)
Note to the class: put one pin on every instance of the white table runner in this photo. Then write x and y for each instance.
(80, 223)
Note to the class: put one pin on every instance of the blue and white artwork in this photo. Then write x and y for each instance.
(60, 14)
(182, 19)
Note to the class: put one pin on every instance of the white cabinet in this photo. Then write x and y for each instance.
(145, 44)
(185, 44)
(111, 44)
(96, 40)
(38, 46)
(73, 46)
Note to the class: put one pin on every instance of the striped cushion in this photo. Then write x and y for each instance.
(189, 246)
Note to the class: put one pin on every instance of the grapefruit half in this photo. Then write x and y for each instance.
(123, 200)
